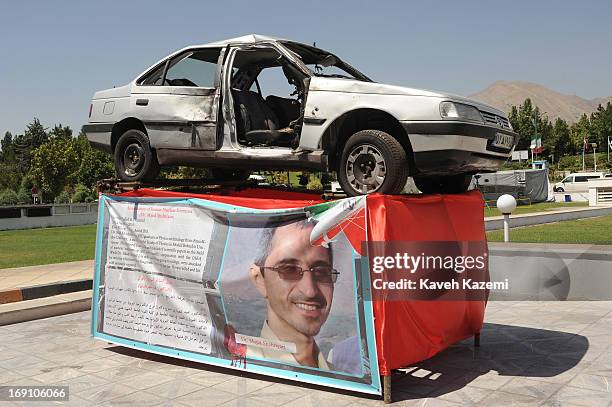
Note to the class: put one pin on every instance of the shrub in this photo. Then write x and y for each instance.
(81, 194)
(9, 197)
(315, 185)
(62, 198)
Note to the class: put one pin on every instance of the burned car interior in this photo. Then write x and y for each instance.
(269, 121)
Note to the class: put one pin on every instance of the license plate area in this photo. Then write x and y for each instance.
(503, 140)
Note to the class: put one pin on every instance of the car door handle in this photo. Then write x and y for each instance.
(142, 102)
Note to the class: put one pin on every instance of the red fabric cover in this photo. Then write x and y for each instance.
(411, 331)
(256, 198)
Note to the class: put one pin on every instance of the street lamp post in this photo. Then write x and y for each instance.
(506, 204)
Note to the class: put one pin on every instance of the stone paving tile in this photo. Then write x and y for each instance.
(58, 374)
(532, 388)
(581, 397)
(205, 397)
(278, 394)
(106, 392)
(82, 383)
(174, 388)
(593, 382)
(208, 378)
(147, 379)
(118, 373)
(241, 385)
(243, 402)
(465, 395)
(500, 398)
(7, 375)
(137, 399)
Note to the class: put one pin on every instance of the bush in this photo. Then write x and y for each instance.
(62, 198)
(9, 197)
(315, 185)
(24, 196)
(82, 194)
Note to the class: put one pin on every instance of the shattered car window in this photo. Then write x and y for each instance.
(324, 64)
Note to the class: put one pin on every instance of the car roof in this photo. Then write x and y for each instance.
(245, 39)
(255, 38)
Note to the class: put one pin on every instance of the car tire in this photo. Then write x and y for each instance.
(372, 161)
(134, 158)
(230, 174)
(559, 189)
(450, 184)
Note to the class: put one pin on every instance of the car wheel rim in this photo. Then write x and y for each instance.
(366, 169)
(133, 159)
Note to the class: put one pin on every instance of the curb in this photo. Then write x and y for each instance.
(539, 218)
(44, 290)
(45, 307)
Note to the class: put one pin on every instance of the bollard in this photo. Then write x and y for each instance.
(506, 204)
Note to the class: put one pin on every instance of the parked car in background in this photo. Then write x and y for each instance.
(208, 106)
(577, 182)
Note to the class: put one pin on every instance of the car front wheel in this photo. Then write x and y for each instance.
(450, 184)
(372, 161)
(134, 159)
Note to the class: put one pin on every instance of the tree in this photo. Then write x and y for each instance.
(34, 136)
(562, 140)
(601, 126)
(54, 165)
(94, 165)
(8, 149)
(60, 132)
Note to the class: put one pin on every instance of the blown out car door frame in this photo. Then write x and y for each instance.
(179, 117)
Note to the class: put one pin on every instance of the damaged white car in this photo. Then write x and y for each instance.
(207, 106)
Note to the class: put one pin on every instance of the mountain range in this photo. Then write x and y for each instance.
(504, 94)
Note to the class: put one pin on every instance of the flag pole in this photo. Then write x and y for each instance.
(583, 148)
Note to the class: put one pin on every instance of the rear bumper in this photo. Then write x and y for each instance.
(448, 147)
(99, 135)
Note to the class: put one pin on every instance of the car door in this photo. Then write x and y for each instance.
(178, 101)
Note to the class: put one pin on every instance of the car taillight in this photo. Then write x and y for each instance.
(90, 108)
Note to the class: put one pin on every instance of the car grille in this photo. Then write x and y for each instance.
(495, 120)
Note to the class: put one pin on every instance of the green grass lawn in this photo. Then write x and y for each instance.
(32, 247)
(586, 231)
(537, 207)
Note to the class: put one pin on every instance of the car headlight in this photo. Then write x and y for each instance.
(453, 110)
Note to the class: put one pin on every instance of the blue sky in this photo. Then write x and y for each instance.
(55, 54)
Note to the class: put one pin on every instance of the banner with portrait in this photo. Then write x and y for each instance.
(278, 292)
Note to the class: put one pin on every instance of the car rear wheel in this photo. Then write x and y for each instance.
(229, 174)
(372, 161)
(134, 159)
(450, 184)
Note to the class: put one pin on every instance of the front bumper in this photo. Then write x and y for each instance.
(453, 147)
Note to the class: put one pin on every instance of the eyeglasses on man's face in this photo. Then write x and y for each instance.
(292, 272)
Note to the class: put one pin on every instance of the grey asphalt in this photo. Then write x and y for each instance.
(554, 353)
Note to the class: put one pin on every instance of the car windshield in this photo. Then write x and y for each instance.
(324, 64)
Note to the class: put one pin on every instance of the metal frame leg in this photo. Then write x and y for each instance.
(387, 389)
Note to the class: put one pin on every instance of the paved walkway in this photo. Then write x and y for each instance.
(45, 274)
(533, 353)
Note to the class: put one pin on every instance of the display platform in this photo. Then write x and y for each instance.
(287, 285)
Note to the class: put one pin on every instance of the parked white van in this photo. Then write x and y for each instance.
(577, 182)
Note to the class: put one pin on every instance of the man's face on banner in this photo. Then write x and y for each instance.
(303, 303)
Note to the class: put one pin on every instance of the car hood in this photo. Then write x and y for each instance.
(120, 92)
(374, 88)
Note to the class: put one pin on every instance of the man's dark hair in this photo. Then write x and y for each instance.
(267, 234)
